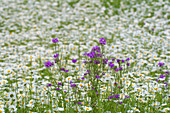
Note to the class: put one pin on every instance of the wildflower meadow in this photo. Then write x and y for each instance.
(84, 56)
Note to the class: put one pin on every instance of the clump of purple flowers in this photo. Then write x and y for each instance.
(160, 64)
(112, 96)
(63, 69)
(55, 40)
(74, 60)
(95, 52)
(48, 64)
(73, 85)
(56, 55)
(97, 76)
(49, 85)
(102, 41)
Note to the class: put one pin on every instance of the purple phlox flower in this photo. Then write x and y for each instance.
(59, 83)
(120, 102)
(113, 59)
(79, 103)
(102, 41)
(99, 55)
(118, 60)
(97, 93)
(85, 73)
(66, 71)
(109, 97)
(116, 96)
(88, 70)
(126, 96)
(85, 54)
(128, 64)
(97, 49)
(73, 85)
(103, 73)
(123, 60)
(56, 60)
(162, 76)
(120, 68)
(160, 64)
(97, 62)
(157, 80)
(71, 82)
(91, 54)
(65, 91)
(62, 69)
(127, 59)
(84, 61)
(49, 85)
(115, 83)
(166, 83)
(105, 60)
(111, 65)
(93, 88)
(97, 76)
(167, 72)
(57, 88)
(48, 64)
(56, 55)
(116, 69)
(83, 78)
(55, 40)
(74, 60)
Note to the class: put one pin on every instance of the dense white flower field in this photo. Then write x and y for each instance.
(99, 56)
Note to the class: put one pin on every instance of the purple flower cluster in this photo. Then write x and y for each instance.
(74, 60)
(95, 52)
(166, 72)
(57, 88)
(97, 76)
(55, 40)
(49, 85)
(102, 41)
(57, 60)
(160, 64)
(126, 96)
(48, 64)
(73, 85)
(63, 69)
(97, 62)
(79, 103)
(111, 64)
(59, 84)
(105, 61)
(161, 76)
(56, 55)
(116, 96)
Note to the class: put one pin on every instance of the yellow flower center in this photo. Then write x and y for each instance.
(87, 109)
